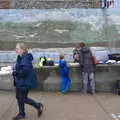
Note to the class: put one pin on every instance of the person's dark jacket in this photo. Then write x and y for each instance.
(86, 60)
(24, 74)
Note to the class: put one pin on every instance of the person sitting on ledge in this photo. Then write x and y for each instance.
(76, 53)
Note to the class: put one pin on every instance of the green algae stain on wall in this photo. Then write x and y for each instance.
(60, 26)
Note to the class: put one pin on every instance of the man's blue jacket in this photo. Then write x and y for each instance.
(24, 74)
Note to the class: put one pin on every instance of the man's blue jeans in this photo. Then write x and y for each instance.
(88, 82)
(22, 98)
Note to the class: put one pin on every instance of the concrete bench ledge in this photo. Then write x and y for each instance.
(49, 79)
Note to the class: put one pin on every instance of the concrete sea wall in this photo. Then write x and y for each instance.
(49, 80)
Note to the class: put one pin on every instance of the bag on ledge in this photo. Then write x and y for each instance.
(95, 61)
(42, 61)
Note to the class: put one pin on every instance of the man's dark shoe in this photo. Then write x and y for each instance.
(18, 117)
(40, 110)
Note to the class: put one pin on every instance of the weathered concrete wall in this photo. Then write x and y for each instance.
(49, 80)
(59, 27)
(48, 4)
(105, 78)
(51, 4)
(6, 82)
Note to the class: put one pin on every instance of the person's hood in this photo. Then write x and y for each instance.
(85, 49)
(28, 56)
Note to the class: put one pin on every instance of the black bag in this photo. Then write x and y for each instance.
(118, 87)
(115, 56)
(50, 63)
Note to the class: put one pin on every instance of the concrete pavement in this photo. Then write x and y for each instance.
(73, 106)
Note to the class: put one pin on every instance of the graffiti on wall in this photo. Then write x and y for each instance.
(110, 3)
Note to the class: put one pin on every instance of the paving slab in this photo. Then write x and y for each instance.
(72, 106)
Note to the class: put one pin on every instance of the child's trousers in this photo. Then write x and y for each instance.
(65, 85)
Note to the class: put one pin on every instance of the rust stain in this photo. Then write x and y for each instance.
(5, 4)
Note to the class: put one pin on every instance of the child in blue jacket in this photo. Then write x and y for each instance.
(64, 74)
